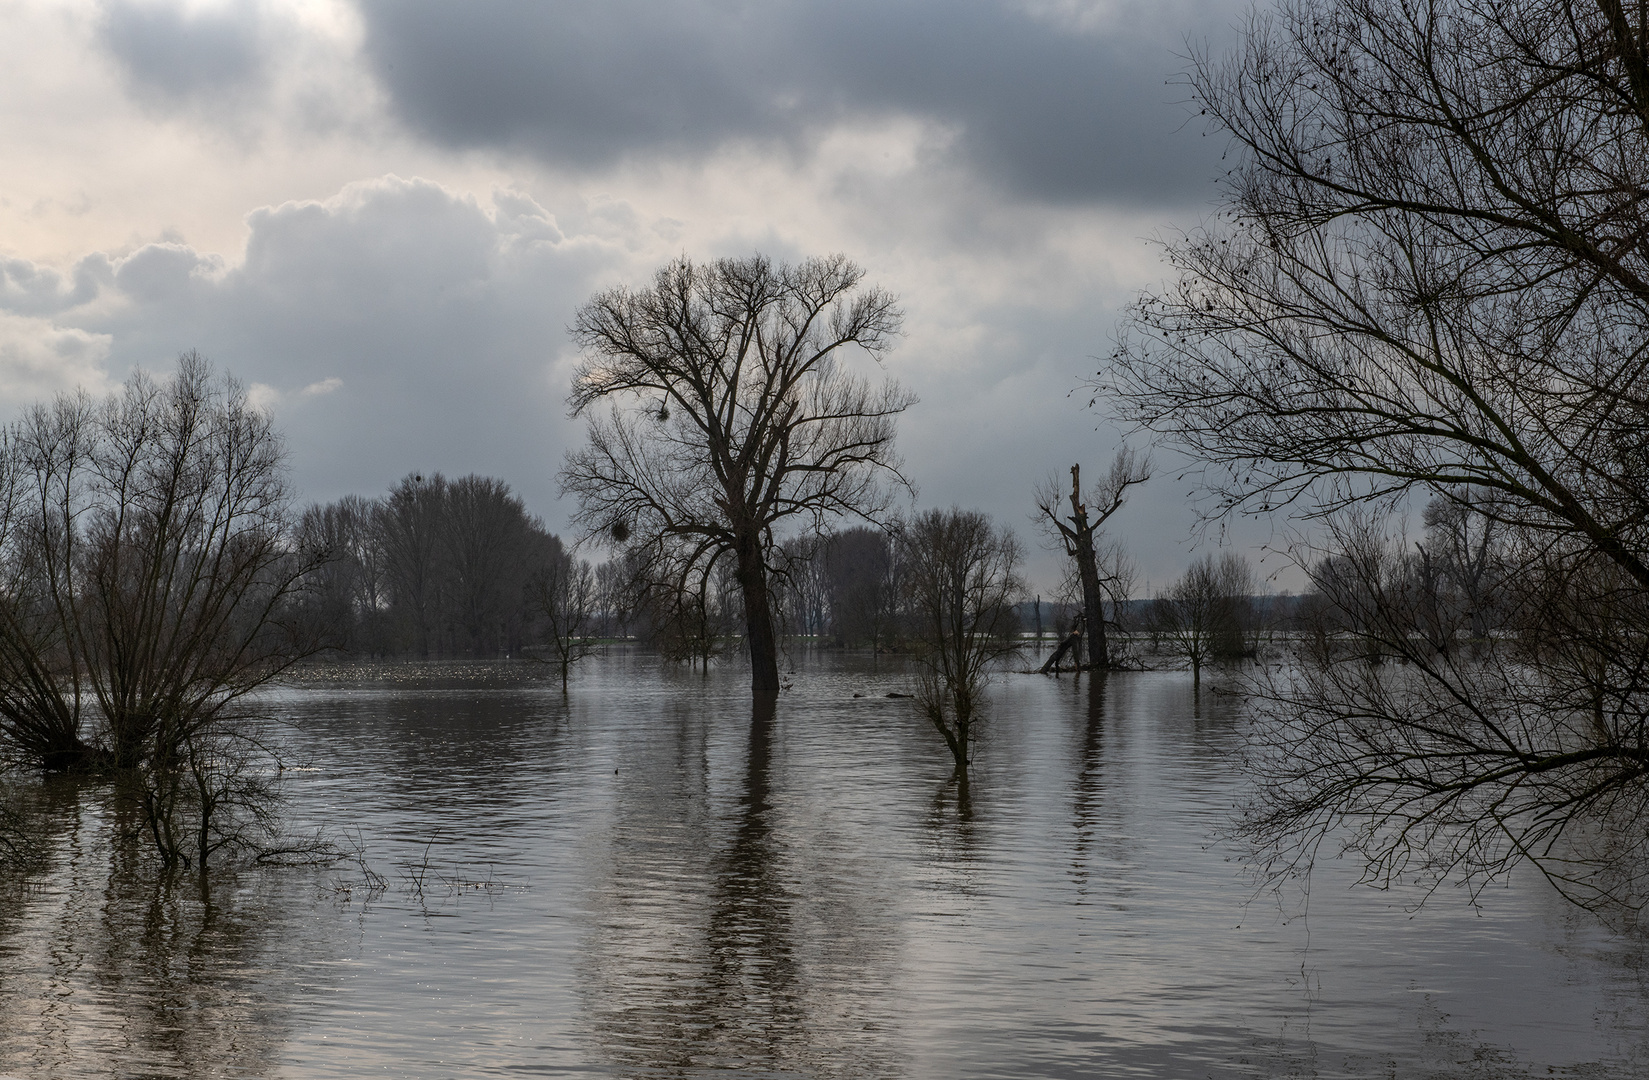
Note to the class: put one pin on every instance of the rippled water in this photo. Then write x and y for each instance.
(641, 880)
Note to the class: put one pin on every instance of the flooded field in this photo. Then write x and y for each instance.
(637, 879)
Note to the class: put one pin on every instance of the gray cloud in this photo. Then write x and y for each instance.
(172, 57)
(27, 289)
(1048, 111)
(396, 327)
(401, 326)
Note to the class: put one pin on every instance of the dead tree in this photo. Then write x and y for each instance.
(1078, 532)
(1070, 646)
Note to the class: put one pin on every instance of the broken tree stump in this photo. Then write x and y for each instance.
(1071, 644)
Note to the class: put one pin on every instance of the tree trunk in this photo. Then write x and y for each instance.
(1093, 604)
(1072, 641)
(758, 619)
(131, 738)
(1080, 538)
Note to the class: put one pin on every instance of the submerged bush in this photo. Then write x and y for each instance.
(148, 573)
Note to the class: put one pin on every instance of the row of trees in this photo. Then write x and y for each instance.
(732, 415)
(436, 567)
(458, 568)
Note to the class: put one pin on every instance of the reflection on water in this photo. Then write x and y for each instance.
(1097, 847)
(645, 878)
(718, 943)
(107, 969)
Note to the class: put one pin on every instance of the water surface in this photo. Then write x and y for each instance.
(641, 879)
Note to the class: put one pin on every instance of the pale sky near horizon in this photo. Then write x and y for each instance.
(382, 214)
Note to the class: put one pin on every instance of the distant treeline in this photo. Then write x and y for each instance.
(443, 567)
(436, 567)
(457, 567)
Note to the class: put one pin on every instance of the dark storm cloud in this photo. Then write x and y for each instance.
(1051, 112)
(175, 56)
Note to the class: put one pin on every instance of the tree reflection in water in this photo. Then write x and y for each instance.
(708, 890)
(752, 994)
(718, 946)
(1095, 817)
(120, 970)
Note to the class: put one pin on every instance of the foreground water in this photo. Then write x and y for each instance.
(637, 880)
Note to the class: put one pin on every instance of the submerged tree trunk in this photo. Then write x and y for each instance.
(1087, 566)
(1071, 644)
(1079, 531)
(758, 619)
(1093, 608)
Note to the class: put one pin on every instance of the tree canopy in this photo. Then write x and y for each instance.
(733, 412)
(1429, 277)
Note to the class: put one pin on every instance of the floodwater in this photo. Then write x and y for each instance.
(638, 880)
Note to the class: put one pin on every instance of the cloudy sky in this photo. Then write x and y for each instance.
(382, 213)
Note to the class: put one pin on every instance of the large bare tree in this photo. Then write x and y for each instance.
(733, 413)
(1430, 277)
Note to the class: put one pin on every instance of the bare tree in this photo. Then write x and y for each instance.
(43, 688)
(805, 594)
(615, 597)
(153, 573)
(692, 623)
(733, 414)
(1454, 764)
(960, 577)
(1429, 277)
(563, 591)
(1462, 548)
(1200, 617)
(348, 595)
(1078, 532)
(187, 562)
(411, 528)
(438, 566)
(486, 536)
